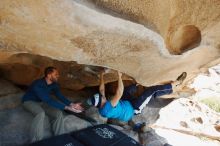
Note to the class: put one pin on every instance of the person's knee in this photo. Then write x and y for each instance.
(33, 107)
(59, 114)
(41, 114)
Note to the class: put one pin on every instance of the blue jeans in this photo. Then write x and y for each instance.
(150, 92)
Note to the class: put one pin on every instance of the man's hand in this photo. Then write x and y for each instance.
(75, 107)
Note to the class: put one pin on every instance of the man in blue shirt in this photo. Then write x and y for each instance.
(123, 106)
(39, 102)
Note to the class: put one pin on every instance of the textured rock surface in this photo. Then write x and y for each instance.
(74, 31)
(184, 38)
(22, 69)
(14, 128)
(10, 101)
(198, 118)
(184, 108)
(7, 88)
(167, 17)
(93, 113)
(73, 123)
(10, 95)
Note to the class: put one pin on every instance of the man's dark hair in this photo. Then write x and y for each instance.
(49, 70)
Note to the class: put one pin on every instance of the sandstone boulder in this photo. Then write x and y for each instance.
(10, 95)
(23, 68)
(184, 38)
(15, 128)
(94, 113)
(73, 123)
(179, 22)
(74, 31)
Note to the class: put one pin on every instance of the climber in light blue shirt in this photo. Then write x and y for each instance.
(123, 106)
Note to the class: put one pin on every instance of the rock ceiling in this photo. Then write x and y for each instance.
(150, 40)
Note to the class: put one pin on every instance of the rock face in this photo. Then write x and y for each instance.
(24, 68)
(12, 115)
(183, 39)
(178, 19)
(188, 117)
(94, 113)
(78, 31)
(10, 96)
(14, 128)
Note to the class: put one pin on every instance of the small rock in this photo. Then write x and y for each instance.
(191, 102)
(217, 128)
(184, 124)
(197, 120)
(198, 107)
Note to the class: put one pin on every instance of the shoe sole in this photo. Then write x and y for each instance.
(182, 77)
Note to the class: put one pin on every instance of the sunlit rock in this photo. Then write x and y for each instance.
(75, 31)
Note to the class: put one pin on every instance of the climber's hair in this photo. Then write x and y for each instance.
(49, 70)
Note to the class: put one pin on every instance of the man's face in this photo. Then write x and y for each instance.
(54, 76)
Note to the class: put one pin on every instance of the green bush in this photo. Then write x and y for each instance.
(213, 103)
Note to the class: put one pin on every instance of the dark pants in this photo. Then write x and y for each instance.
(151, 92)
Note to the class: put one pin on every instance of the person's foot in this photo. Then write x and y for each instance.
(181, 78)
(139, 127)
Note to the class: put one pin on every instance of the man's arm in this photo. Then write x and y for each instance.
(60, 96)
(119, 91)
(75, 107)
(45, 97)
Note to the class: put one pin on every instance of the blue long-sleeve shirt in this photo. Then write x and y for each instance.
(39, 91)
